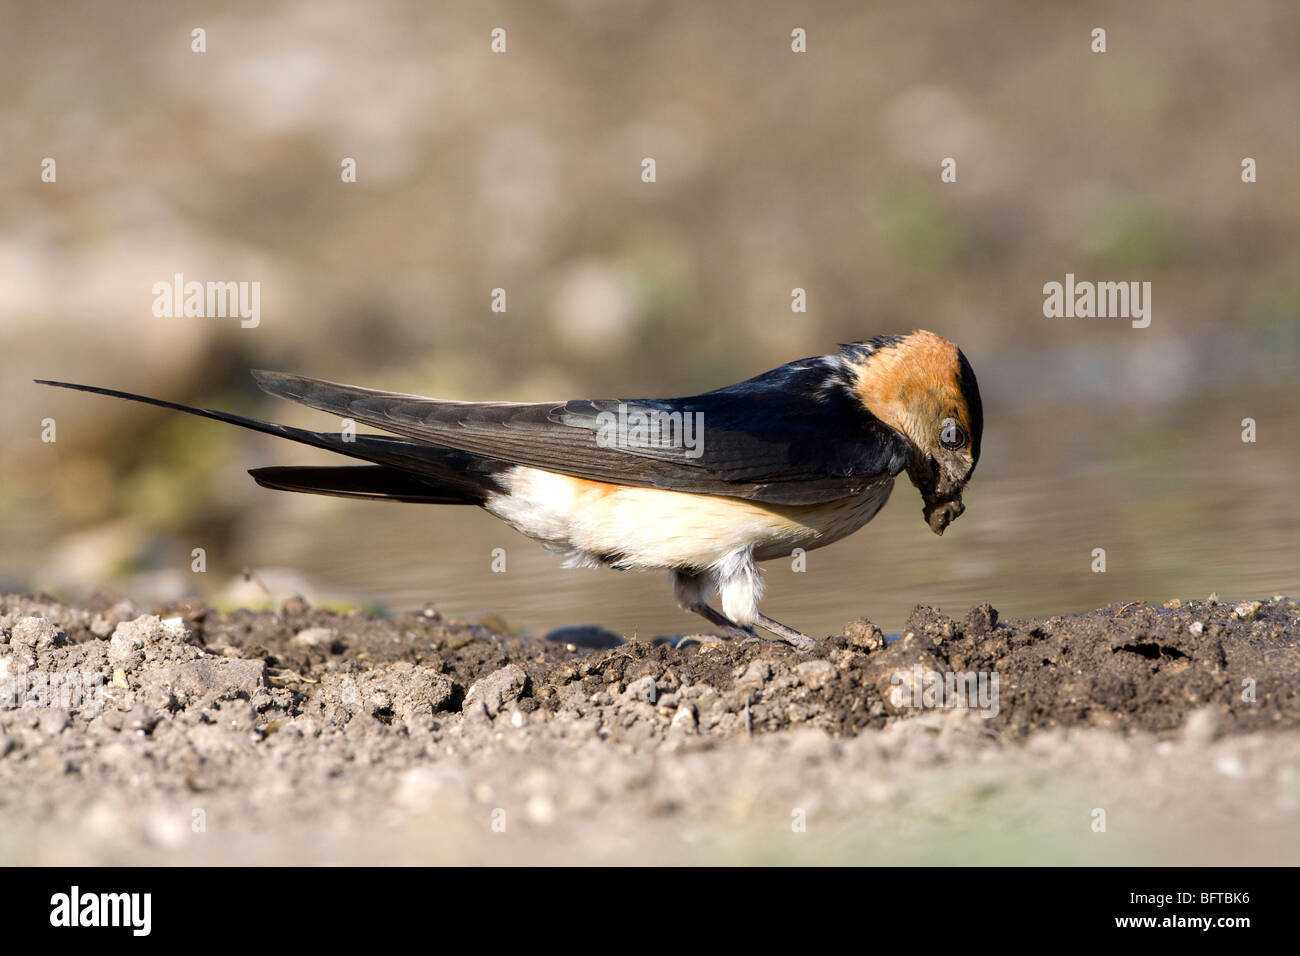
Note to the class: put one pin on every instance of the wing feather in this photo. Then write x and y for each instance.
(795, 435)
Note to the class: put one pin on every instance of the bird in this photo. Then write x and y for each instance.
(705, 487)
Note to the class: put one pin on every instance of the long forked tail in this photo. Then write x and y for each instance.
(399, 470)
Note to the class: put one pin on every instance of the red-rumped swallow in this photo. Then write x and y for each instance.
(703, 487)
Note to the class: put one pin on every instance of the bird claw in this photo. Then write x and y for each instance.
(797, 639)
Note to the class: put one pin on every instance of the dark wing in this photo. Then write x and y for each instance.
(405, 470)
(795, 435)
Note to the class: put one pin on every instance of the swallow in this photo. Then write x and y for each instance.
(704, 487)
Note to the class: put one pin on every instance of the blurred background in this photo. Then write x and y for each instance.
(775, 170)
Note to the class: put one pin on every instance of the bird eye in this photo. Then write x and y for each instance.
(952, 435)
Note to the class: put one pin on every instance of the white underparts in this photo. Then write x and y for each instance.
(710, 542)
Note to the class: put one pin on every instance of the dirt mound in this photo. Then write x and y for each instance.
(1126, 667)
(116, 725)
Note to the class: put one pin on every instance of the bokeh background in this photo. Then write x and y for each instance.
(775, 170)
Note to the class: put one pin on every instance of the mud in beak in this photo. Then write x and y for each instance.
(943, 513)
(940, 493)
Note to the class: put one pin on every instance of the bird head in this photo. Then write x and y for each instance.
(922, 386)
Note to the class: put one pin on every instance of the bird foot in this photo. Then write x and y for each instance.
(799, 640)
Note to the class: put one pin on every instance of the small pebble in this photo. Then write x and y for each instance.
(1247, 610)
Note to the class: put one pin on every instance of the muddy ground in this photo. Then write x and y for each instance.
(181, 734)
